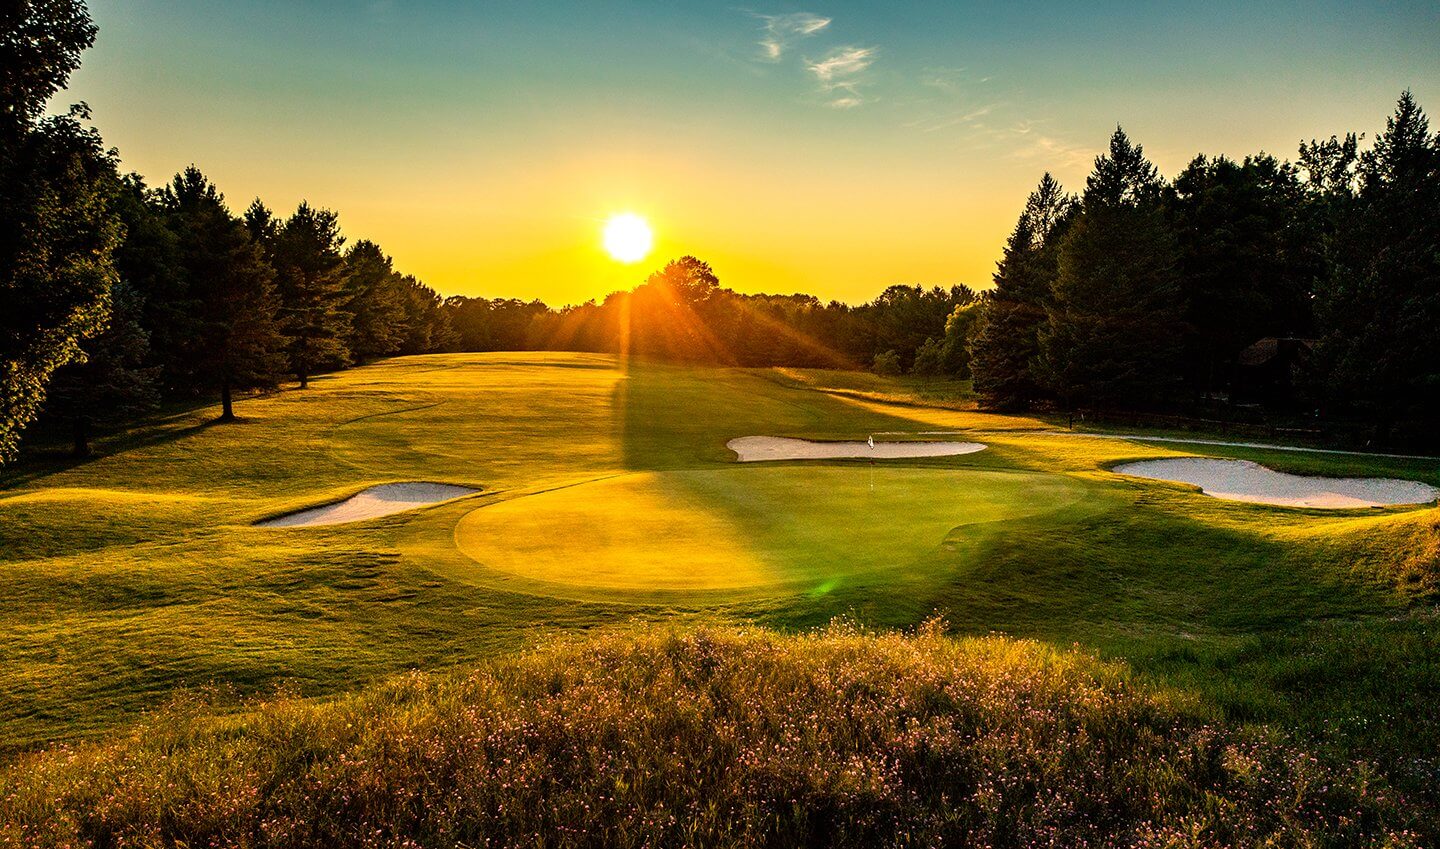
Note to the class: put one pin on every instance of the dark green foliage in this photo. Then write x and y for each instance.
(1156, 288)
(1246, 259)
(1330, 165)
(902, 318)
(374, 298)
(1005, 347)
(949, 355)
(1114, 331)
(682, 313)
(929, 358)
(672, 314)
(886, 363)
(502, 324)
(57, 229)
(57, 232)
(237, 343)
(261, 224)
(40, 45)
(148, 262)
(425, 328)
(309, 276)
(960, 330)
(113, 381)
(1379, 303)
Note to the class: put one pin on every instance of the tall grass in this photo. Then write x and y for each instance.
(648, 736)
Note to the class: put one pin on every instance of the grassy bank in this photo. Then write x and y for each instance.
(715, 736)
(608, 496)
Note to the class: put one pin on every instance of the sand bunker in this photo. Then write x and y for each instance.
(369, 503)
(1242, 480)
(752, 449)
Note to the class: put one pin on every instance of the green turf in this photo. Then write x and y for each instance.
(609, 495)
(772, 530)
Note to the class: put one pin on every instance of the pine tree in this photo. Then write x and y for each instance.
(1005, 343)
(1114, 328)
(1379, 306)
(309, 275)
(374, 300)
(238, 344)
(425, 324)
(261, 224)
(148, 262)
(1246, 259)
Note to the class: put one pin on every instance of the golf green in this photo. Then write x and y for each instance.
(783, 529)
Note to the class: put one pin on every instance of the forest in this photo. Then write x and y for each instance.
(1306, 289)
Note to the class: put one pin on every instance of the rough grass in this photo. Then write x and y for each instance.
(709, 737)
(127, 577)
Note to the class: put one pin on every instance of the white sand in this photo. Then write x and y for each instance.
(369, 503)
(1242, 480)
(1270, 446)
(753, 449)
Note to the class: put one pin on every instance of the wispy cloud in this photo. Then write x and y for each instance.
(779, 32)
(947, 102)
(970, 117)
(946, 80)
(841, 63)
(1057, 153)
(840, 74)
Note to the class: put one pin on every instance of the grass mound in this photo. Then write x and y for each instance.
(663, 737)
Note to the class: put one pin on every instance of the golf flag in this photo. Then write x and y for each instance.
(871, 439)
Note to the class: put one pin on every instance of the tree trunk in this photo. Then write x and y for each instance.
(227, 406)
(304, 379)
(80, 431)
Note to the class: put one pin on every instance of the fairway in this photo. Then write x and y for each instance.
(780, 530)
(606, 494)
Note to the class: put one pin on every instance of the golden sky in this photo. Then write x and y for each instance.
(832, 150)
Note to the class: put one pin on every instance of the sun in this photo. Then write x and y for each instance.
(628, 237)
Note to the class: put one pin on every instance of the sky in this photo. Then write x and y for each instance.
(830, 148)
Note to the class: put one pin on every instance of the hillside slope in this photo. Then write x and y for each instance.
(646, 736)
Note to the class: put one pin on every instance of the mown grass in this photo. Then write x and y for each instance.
(138, 573)
(907, 389)
(712, 736)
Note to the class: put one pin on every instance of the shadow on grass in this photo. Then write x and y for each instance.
(49, 459)
(1118, 561)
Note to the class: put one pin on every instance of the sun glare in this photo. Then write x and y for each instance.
(628, 237)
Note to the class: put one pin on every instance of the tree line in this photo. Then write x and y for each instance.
(1141, 293)
(1312, 285)
(115, 295)
(204, 302)
(681, 312)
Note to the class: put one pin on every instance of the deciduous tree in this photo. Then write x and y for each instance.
(57, 227)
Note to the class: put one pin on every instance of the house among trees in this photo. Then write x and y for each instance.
(1271, 371)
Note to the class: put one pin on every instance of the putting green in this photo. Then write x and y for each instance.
(787, 529)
